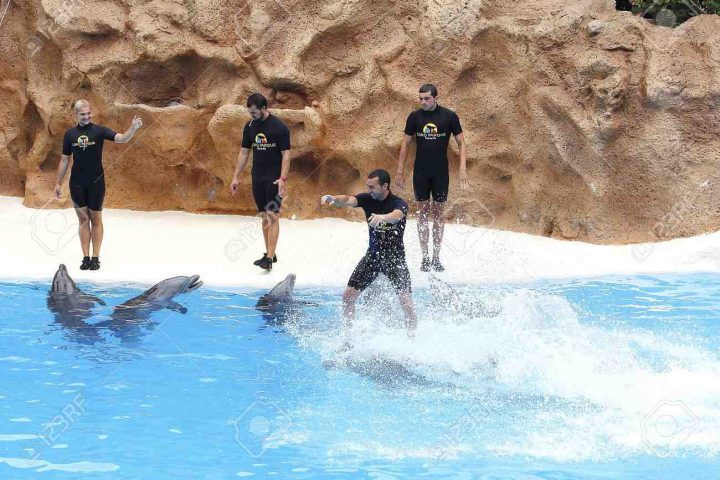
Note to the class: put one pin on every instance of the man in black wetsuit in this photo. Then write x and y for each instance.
(431, 126)
(87, 179)
(269, 139)
(386, 215)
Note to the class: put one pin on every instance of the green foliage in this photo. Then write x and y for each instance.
(669, 13)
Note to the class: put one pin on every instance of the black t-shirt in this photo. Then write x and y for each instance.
(432, 133)
(86, 146)
(386, 238)
(268, 139)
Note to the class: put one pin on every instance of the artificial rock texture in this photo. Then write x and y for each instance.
(581, 122)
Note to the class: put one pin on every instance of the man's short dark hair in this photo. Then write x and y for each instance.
(429, 88)
(256, 100)
(382, 175)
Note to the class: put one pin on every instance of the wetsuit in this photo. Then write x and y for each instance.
(432, 132)
(268, 139)
(87, 179)
(386, 252)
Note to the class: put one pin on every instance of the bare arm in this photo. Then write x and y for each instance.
(393, 217)
(460, 139)
(284, 170)
(242, 160)
(134, 126)
(339, 200)
(62, 170)
(400, 176)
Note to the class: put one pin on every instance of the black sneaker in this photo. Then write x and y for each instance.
(95, 263)
(437, 266)
(265, 263)
(85, 263)
(257, 262)
(425, 265)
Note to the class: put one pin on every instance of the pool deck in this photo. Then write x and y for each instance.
(146, 247)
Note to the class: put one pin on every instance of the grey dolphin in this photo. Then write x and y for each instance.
(279, 303)
(71, 307)
(129, 317)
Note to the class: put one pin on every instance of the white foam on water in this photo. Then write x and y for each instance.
(43, 466)
(577, 391)
(17, 437)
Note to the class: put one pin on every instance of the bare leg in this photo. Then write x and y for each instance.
(265, 229)
(350, 296)
(84, 229)
(97, 230)
(409, 309)
(273, 233)
(438, 209)
(423, 227)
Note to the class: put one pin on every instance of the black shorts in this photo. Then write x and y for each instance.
(265, 193)
(91, 195)
(372, 265)
(425, 185)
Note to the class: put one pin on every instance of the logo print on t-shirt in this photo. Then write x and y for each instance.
(430, 132)
(430, 128)
(83, 142)
(261, 142)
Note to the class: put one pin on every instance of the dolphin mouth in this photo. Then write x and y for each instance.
(194, 284)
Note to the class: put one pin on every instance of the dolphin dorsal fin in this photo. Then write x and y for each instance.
(279, 290)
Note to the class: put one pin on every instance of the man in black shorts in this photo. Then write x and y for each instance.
(431, 126)
(87, 179)
(269, 139)
(386, 216)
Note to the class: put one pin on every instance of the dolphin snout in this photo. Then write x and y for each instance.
(194, 284)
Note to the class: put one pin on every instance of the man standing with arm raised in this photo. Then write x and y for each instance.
(87, 178)
(431, 126)
(386, 215)
(269, 139)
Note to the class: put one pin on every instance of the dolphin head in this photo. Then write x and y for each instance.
(62, 283)
(167, 289)
(284, 288)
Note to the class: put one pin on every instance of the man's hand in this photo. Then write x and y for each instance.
(136, 123)
(376, 219)
(400, 180)
(464, 183)
(57, 190)
(234, 186)
(281, 186)
(327, 200)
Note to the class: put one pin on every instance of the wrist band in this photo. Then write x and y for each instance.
(284, 179)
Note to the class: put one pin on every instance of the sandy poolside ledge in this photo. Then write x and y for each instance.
(145, 247)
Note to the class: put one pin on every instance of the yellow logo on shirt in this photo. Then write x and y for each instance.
(430, 132)
(83, 142)
(261, 142)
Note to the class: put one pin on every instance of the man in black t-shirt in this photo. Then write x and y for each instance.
(87, 179)
(269, 139)
(431, 127)
(386, 215)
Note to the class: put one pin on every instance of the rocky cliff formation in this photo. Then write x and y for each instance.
(582, 122)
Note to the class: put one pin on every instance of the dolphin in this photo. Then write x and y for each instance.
(279, 303)
(129, 317)
(71, 307)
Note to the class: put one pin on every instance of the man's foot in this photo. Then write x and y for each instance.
(265, 263)
(437, 266)
(425, 265)
(257, 262)
(95, 263)
(85, 263)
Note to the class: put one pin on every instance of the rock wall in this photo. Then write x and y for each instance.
(582, 122)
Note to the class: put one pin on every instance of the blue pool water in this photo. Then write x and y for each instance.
(605, 378)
